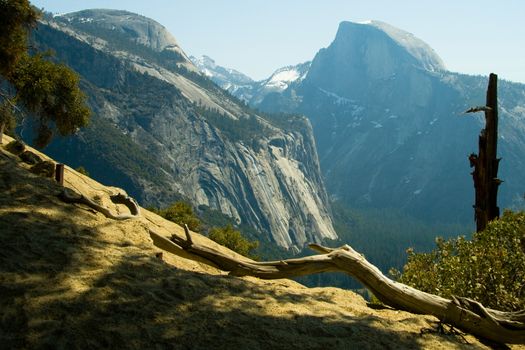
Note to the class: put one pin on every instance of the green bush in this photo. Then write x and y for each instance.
(180, 213)
(490, 268)
(231, 238)
(82, 170)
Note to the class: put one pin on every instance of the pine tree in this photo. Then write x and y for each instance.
(33, 84)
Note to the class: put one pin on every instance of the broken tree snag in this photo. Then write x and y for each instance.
(69, 196)
(465, 314)
(59, 174)
(486, 163)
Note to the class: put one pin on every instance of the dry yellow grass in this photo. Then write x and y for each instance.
(71, 278)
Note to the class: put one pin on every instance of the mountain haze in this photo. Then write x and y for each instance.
(389, 125)
(164, 131)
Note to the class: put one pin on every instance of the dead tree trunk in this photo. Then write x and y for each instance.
(462, 313)
(486, 163)
(2, 126)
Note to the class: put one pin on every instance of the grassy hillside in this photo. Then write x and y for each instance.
(72, 278)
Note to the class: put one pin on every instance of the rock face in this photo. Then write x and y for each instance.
(389, 124)
(137, 29)
(164, 132)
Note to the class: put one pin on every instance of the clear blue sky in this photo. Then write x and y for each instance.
(258, 36)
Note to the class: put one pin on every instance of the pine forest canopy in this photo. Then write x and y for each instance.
(31, 83)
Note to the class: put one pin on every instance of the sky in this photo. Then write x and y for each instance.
(256, 37)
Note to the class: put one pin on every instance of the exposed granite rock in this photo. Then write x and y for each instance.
(164, 132)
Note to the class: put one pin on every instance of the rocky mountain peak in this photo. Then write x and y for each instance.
(136, 28)
(368, 32)
(283, 77)
(385, 116)
(370, 55)
(223, 76)
(204, 61)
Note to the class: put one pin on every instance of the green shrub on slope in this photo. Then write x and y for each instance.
(180, 213)
(231, 238)
(490, 268)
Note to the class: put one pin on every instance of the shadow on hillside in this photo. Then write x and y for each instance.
(140, 302)
(42, 244)
(144, 303)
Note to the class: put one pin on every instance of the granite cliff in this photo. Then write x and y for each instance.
(389, 123)
(163, 131)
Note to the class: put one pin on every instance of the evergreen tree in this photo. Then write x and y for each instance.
(32, 83)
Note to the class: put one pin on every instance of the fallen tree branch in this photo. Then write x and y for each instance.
(69, 196)
(462, 313)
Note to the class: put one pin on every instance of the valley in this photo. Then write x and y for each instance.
(384, 130)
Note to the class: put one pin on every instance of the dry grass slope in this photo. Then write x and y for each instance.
(71, 278)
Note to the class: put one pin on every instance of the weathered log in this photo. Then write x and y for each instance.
(462, 313)
(69, 196)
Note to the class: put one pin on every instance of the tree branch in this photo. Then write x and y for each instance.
(462, 313)
(69, 196)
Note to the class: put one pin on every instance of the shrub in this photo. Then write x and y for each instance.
(82, 170)
(490, 268)
(180, 213)
(232, 239)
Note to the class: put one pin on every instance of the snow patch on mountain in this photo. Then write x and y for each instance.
(245, 88)
(283, 77)
(229, 79)
(221, 75)
(338, 99)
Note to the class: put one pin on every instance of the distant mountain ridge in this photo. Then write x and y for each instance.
(389, 125)
(133, 27)
(220, 74)
(164, 132)
(244, 87)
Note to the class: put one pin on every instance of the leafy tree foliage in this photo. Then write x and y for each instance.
(231, 238)
(34, 83)
(180, 213)
(490, 268)
(16, 20)
(82, 170)
(266, 249)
